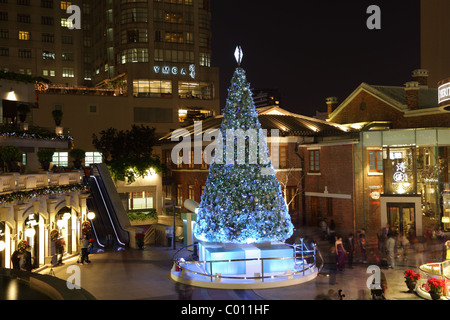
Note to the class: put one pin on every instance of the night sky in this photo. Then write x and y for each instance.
(313, 50)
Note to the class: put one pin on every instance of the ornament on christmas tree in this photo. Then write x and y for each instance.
(230, 210)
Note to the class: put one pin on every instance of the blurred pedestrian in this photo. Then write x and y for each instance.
(15, 260)
(390, 248)
(419, 251)
(324, 227)
(349, 246)
(332, 232)
(404, 243)
(446, 254)
(362, 245)
(26, 259)
(383, 238)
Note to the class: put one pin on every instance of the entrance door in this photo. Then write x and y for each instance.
(401, 216)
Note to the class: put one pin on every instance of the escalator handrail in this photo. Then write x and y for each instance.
(107, 197)
(117, 220)
(107, 211)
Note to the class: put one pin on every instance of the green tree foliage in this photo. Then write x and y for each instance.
(128, 154)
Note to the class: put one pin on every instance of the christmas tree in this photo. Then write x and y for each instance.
(242, 202)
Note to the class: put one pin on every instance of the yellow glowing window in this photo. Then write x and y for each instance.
(24, 35)
(65, 5)
(68, 23)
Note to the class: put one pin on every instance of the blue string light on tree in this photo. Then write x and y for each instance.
(241, 203)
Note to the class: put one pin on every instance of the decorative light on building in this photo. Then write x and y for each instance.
(91, 215)
(11, 95)
(401, 176)
(2, 245)
(30, 232)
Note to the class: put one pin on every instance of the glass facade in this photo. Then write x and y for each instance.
(403, 167)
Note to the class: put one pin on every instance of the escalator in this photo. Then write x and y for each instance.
(110, 223)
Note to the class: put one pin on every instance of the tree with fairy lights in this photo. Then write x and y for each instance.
(242, 202)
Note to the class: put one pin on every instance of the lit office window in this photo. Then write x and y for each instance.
(67, 23)
(196, 90)
(24, 35)
(65, 5)
(68, 73)
(152, 88)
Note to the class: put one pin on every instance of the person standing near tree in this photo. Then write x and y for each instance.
(341, 253)
(84, 249)
(349, 246)
(390, 248)
(26, 259)
(362, 245)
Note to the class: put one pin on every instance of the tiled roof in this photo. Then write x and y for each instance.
(428, 97)
(289, 125)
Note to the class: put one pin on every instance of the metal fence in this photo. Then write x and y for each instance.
(304, 259)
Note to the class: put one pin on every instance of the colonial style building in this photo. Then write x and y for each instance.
(34, 202)
(399, 166)
(297, 167)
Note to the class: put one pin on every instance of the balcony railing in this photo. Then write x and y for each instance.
(21, 182)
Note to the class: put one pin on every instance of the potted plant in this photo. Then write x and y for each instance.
(77, 155)
(57, 116)
(86, 227)
(434, 287)
(22, 111)
(411, 279)
(11, 155)
(21, 247)
(54, 235)
(45, 156)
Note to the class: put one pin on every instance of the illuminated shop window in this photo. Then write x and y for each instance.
(196, 90)
(193, 114)
(141, 200)
(92, 158)
(152, 89)
(61, 159)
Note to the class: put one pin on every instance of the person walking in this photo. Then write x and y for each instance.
(390, 248)
(15, 260)
(362, 244)
(446, 255)
(341, 254)
(26, 259)
(84, 249)
(349, 246)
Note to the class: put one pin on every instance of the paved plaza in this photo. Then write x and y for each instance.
(144, 275)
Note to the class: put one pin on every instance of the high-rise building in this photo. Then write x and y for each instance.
(435, 44)
(35, 40)
(131, 62)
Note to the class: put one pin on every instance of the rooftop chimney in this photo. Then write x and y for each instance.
(412, 94)
(421, 76)
(332, 103)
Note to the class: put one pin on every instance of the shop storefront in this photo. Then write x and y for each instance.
(405, 175)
